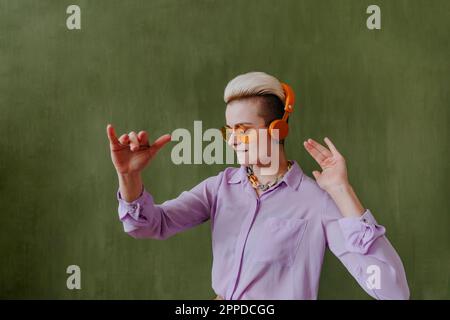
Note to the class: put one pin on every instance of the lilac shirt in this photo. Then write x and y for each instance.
(272, 247)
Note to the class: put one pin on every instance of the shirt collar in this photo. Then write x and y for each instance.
(292, 178)
(238, 176)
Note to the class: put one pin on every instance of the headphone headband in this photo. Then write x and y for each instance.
(288, 101)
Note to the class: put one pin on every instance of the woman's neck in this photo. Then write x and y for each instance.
(258, 169)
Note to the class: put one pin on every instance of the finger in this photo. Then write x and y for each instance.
(332, 147)
(124, 139)
(319, 157)
(329, 162)
(320, 148)
(316, 174)
(112, 135)
(143, 138)
(160, 142)
(134, 142)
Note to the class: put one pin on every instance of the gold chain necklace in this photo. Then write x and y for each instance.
(263, 187)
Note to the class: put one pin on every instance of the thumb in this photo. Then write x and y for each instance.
(159, 143)
(316, 174)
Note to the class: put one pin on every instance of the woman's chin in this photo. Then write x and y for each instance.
(242, 160)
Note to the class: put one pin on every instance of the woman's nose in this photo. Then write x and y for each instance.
(233, 141)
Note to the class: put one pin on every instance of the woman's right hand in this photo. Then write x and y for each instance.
(131, 153)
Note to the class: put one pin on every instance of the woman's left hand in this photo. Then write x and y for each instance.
(332, 163)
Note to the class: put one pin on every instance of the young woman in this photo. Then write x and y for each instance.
(269, 229)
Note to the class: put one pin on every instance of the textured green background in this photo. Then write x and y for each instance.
(382, 96)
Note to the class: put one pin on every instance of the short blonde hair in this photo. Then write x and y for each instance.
(253, 84)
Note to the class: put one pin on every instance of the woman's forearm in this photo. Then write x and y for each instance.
(346, 200)
(130, 186)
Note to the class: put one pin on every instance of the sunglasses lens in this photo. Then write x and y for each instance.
(245, 139)
(239, 133)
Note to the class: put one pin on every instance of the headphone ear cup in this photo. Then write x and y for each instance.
(282, 126)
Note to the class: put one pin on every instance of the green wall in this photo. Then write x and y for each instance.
(381, 95)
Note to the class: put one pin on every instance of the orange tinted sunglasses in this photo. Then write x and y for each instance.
(241, 133)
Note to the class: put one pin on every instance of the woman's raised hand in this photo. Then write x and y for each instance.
(332, 163)
(131, 153)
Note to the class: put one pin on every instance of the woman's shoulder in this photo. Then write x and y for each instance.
(227, 175)
(311, 189)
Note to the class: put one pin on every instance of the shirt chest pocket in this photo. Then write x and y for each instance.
(278, 240)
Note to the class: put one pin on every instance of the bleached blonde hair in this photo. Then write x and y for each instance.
(251, 84)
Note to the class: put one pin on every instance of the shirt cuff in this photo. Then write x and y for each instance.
(360, 232)
(135, 208)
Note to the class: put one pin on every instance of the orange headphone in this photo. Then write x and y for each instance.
(278, 124)
(281, 124)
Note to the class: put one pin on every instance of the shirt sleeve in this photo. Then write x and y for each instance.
(361, 245)
(142, 218)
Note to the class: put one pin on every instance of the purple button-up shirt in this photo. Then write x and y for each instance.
(272, 246)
